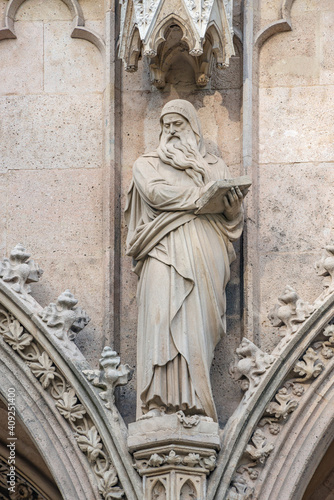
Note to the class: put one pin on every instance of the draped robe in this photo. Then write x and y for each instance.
(183, 263)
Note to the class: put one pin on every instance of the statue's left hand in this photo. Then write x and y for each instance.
(233, 201)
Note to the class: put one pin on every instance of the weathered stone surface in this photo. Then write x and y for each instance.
(295, 59)
(157, 431)
(71, 65)
(3, 213)
(93, 10)
(286, 135)
(326, 48)
(301, 276)
(65, 205)
(51, 131)
(25, 76)
(85, 277)
(38, 10)
(289, 220)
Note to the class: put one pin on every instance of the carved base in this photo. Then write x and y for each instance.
(174, 454)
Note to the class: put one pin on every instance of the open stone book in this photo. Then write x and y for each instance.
(212, 201)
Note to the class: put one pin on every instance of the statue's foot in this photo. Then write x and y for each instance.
(155, 412)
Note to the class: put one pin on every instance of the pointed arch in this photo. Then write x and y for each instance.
(79, 30)
(157, 35)
(188, 491)
(50, 387)
(280, 26)
(303, 437)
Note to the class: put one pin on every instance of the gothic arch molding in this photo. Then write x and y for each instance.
(79, 29)
(48, 432)
(304, 441)
(82, 439)
(285, 416)
(280, 26)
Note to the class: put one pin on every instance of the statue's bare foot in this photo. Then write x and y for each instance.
(155, 412)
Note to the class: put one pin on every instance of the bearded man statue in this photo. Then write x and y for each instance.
(183, 263)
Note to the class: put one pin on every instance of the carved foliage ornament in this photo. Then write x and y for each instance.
(310, 366)
(64, 319)
(66, 401)
(110, 375)
(189, 460)
(145, 24)
(19, 271)
(290, 312)
(250, 368)
(23, 489)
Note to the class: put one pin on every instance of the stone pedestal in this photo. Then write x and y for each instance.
(174, 454)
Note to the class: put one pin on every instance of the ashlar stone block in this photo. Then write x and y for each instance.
(300, 129)
(326, 48)
(70, 64)
(21, 68)
(56, 211)
(295, 206)
(39, 10)
(51, 131)
(292, 58)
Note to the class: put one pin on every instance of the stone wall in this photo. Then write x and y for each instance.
(52, 154)
(73, 122)
(295, 154)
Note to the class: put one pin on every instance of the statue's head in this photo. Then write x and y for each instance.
(181, 141)
(179, 120)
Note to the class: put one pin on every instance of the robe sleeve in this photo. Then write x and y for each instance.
(160, 194)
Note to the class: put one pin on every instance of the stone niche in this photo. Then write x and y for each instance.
(192, 34)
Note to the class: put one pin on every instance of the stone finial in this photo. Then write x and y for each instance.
(110, 375)
(325, 267)
(291, 311)
(250, 367)
(18, 271)
(64, 318)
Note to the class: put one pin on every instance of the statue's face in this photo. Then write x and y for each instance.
(175, 125)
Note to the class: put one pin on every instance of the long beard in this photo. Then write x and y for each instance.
(182, 153)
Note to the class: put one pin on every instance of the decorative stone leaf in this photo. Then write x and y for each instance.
(284, 404)
(18, 271)
(208, 463)
(110, 375)
(297, 389)
(173, 459)
(309, 367)
(90, 444)
(192, 459)
(107, 486)
(239, 489)
(15, 337)
(156, 460)
(291, 311)
(188, 421)
(261, 449)
(251, 366)
(23, 492)
(69, 408)
(329, 332)
(325, 267)
(65, 319)
(43, 369)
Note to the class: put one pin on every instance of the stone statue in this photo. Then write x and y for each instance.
(183, 263)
